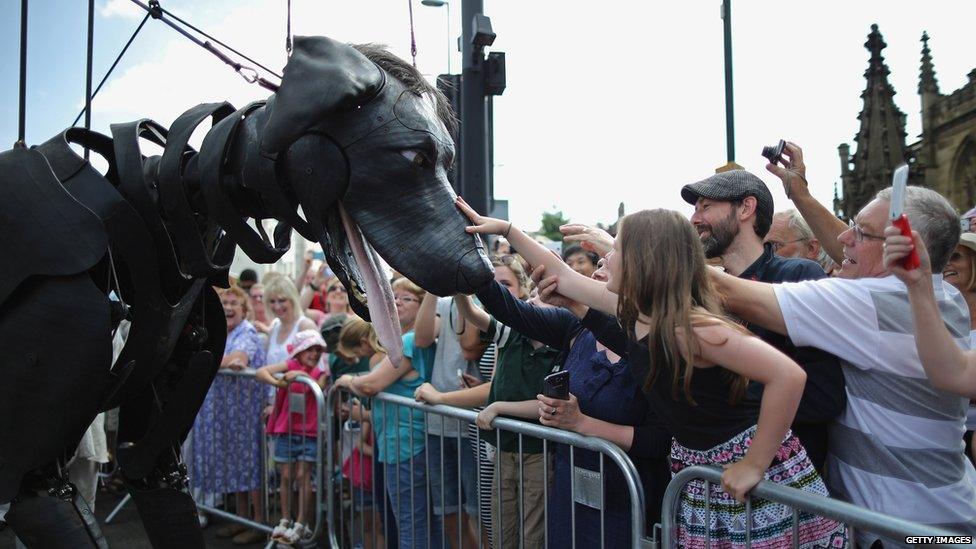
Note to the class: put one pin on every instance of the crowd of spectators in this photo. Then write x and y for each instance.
(784, 346)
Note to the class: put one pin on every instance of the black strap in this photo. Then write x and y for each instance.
(215, 147)
(196, 258)
(137, 192)
(261, 175)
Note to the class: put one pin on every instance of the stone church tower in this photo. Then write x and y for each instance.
(944, 158)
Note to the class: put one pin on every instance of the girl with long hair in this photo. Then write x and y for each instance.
(693, 364)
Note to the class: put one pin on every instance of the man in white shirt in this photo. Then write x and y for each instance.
(897, 448)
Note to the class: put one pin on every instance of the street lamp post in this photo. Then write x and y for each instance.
(437, 4)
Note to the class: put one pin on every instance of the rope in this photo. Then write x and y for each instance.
(22, 117)
(413, 39)
(110, 69)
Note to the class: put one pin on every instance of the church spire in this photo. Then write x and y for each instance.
(881, 137)
(927, 82)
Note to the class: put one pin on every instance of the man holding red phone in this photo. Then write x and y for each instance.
(895, 449)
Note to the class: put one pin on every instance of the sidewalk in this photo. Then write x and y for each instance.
(126, 530)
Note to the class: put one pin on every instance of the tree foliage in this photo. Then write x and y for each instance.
(551, 221)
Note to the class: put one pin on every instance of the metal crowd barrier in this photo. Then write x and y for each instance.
(853, 516)
(341, 536)
(268, 472)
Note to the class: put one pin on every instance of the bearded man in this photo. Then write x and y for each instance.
(733, 213)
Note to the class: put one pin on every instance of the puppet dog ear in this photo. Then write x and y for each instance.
(322, 76)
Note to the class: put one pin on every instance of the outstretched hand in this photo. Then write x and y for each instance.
(794, 173)
(548, 289)
(482, 224)
(591, 239)
(897, 248)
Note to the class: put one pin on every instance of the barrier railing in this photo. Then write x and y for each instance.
(853, 516)
(338, 536)
(268, 472)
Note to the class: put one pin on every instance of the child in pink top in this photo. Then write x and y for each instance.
(293, 426)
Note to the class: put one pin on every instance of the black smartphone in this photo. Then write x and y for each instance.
(556, 385)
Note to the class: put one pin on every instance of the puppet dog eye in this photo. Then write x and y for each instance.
(417, 158)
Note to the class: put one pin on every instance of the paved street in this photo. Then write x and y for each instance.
(126, 530)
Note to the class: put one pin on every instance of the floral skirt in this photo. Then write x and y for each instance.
(772, 523)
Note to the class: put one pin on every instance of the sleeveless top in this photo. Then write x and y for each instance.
(712, 420)
(278, 352)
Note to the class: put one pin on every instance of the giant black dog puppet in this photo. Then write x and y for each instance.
(354, 136)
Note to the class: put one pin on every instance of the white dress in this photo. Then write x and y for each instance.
(278, 352)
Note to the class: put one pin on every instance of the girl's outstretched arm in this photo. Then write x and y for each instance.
(265, 374)
(475, 315)
(571, 284)
(378, 379)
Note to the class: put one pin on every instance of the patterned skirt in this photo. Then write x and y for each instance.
(772, 523)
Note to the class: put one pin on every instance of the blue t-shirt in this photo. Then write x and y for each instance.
(407, 425)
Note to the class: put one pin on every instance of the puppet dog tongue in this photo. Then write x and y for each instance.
(382, 309)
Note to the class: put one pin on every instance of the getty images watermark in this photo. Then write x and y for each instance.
(937, 540)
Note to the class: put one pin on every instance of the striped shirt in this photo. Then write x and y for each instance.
(897, 449)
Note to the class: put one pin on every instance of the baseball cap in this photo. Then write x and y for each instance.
(733, 185)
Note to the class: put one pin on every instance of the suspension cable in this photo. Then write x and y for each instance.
(88, 71)
(110, 69)
(248, 73)
(413, 39)
(288, 44)
(22, 117)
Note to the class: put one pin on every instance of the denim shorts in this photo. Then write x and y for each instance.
(291, 448)
(449, 475)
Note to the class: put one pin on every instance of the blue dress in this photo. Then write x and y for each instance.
(605, 391)
(227, 432)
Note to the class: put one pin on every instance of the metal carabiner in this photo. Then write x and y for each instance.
(249, 74)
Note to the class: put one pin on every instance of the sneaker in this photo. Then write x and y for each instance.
(279, 532)
(296, 533)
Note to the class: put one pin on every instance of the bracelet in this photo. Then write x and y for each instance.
(508, 229)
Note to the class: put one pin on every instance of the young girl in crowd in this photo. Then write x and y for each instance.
(401, 438)
(293, 426)
(693, 364)
(521, 366)
(358, 342)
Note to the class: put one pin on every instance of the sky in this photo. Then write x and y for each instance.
(606, 102)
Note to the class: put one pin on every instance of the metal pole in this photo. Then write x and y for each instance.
(22, 117)
(729, 119)
(88, 76)
(474, 142)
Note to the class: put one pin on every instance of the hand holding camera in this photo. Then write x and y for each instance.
(786, 163)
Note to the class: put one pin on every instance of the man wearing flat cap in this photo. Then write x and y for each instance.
(733, 212)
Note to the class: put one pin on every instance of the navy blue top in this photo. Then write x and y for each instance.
(824, 397)
(604, 391)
